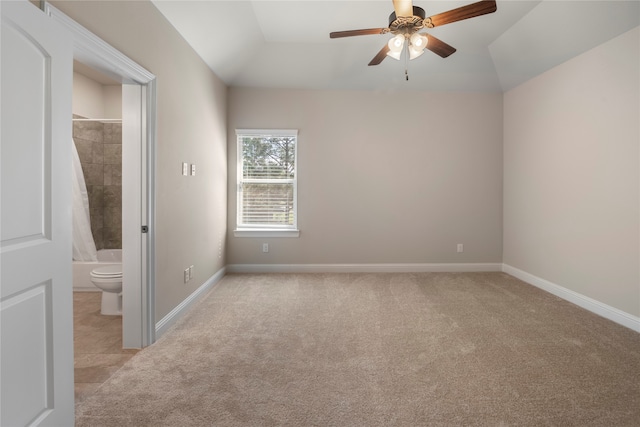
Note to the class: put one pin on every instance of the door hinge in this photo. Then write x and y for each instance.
(145, 229)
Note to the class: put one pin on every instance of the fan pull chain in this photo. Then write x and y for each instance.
(406, 60)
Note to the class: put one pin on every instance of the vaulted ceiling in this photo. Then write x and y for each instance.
(286, 44)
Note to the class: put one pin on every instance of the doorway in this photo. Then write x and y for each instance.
(138, 175)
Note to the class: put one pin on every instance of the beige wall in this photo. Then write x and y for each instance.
(190, 211)
(87, 97)
(571, 173)
(112, 101)
(383, 177)
(93, 100)
(370, 192)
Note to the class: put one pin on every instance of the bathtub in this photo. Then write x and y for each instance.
(81, 269)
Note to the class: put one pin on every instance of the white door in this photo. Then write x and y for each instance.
(36, 321)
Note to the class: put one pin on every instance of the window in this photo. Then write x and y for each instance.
(267, 183)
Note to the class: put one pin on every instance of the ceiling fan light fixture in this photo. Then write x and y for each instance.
(396, 43)
(395, 46)
(394, 55)
(419, 41)
(414, 53)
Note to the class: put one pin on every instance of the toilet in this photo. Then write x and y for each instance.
(109, 280)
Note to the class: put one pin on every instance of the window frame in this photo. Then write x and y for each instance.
(264, 230)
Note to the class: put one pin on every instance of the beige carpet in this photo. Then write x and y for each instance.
(429, 349)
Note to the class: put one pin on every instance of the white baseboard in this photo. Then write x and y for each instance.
(594, 306)
(618, 316)
(363, 268)
(174, 315)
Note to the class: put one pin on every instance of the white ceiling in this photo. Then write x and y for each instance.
(286, 44)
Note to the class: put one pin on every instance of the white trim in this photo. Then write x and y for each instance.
(596, 307)
(247, 232)
(174, 315)
(363, 268)
(240, 180)
(91, 50)
(133, 242)
(618, 316)
(149, 291)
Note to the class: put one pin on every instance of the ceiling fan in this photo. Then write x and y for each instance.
(405, 23)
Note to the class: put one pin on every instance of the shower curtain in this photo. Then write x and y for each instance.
(84, 248)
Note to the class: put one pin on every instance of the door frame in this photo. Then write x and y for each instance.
(139, 101)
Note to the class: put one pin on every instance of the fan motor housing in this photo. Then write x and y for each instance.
(407, 24)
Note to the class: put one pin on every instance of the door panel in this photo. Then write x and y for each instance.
(36, 348)
(23, 215)
(28, 363)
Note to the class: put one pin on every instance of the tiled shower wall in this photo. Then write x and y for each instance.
(100, 150)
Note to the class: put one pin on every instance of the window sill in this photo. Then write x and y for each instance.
(256, 232)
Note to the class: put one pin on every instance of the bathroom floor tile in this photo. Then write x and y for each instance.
(97, 343)
(85, 303)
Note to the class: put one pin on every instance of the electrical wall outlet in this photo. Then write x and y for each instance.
(460, 247)
(265, 247)
(190, 272)
(193, 170)
(186, 275)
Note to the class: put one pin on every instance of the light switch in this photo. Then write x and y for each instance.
(185, 169)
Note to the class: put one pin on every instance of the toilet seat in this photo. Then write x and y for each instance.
(107, 272)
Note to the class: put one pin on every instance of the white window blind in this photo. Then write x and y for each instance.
(267, 179)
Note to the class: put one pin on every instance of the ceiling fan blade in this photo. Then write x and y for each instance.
(380, 56)
(465, 12)
(403, 7)
(439, 47)
(365, 32)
